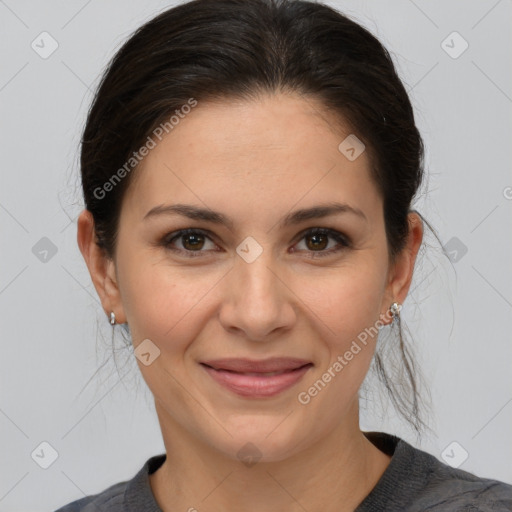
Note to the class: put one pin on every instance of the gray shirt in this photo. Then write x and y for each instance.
(413, 481)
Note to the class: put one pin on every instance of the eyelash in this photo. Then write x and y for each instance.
(342, 241)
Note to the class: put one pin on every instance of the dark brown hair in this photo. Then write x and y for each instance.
(222, 49)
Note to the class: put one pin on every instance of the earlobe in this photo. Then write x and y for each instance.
(101, 267)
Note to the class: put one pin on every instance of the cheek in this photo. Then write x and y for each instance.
(347, 311)
(346, 303)
(164, 304)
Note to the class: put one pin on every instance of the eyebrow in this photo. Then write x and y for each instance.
(293, 218)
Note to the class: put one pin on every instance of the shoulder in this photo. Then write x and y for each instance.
(131, 495)
(110, 499)
(453, 489)
(416, 481)
(459, 490)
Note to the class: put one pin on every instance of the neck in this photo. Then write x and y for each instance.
(334, 474)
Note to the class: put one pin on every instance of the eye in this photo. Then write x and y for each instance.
(192, 242)
(317, 240)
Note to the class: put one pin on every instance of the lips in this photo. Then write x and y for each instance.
(257, 379)
(276, 364)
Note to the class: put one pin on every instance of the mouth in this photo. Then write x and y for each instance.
(257, 379)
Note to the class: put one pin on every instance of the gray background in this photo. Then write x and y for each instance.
(55, 336)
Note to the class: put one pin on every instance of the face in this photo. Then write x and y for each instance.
(263, 286)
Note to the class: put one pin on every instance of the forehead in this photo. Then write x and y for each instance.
(253, 156)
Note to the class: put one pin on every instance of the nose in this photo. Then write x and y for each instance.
(257, 301)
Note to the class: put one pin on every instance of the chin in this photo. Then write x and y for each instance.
(263, 439)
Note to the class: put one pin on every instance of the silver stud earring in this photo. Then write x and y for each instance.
(395, 309)
(112, 318)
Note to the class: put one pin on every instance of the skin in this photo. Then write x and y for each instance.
(255, 161)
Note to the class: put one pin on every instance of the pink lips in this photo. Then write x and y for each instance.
(257, 379)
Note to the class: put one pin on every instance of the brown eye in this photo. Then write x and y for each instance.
(193, 241)
(318, 239)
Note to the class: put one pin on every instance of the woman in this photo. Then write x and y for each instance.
(248, 170)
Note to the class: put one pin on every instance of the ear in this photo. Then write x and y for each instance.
(101, 267)
(400, 275)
